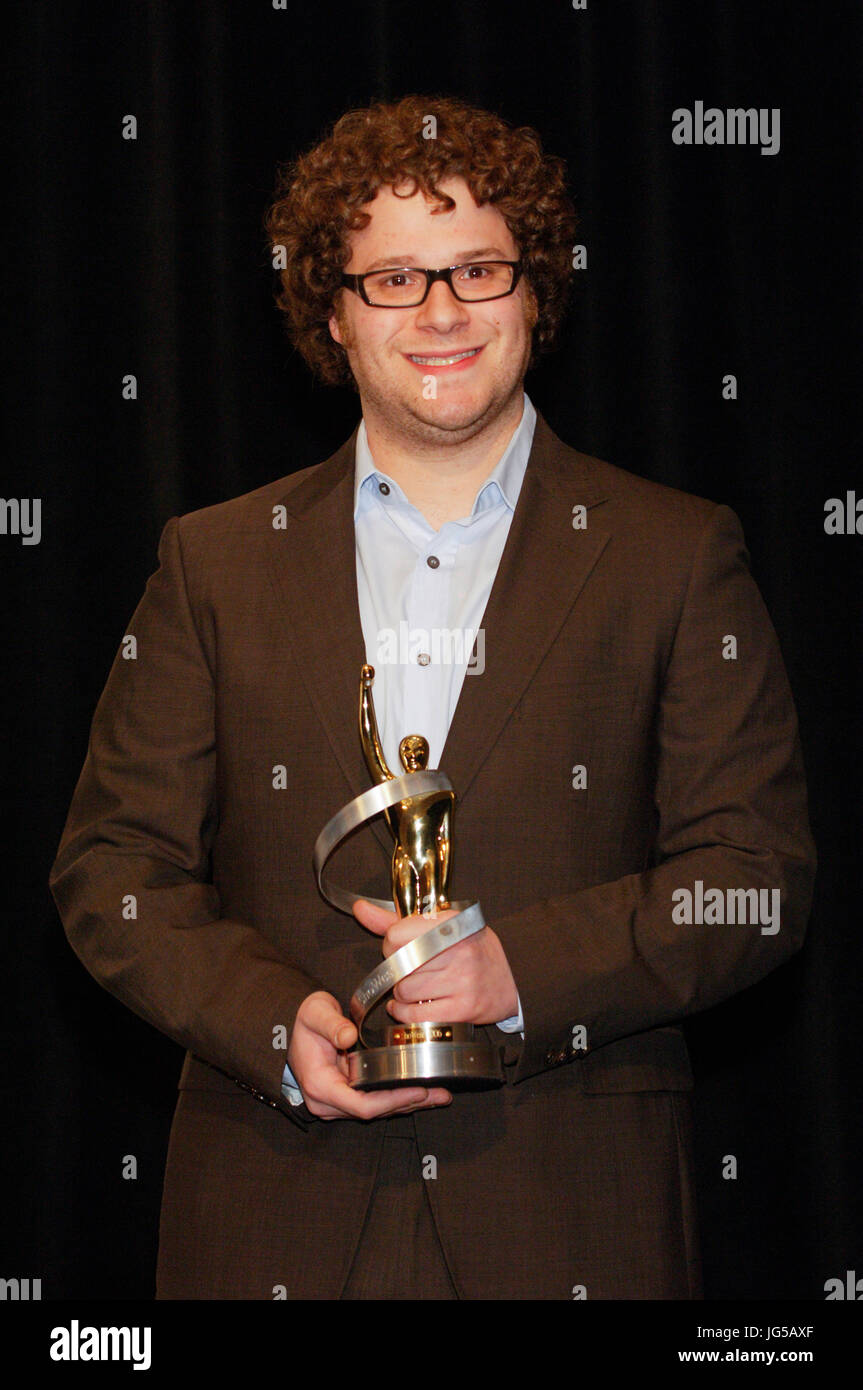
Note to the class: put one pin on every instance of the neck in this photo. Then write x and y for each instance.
(442, 480)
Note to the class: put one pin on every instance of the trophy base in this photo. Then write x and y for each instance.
(427, 1054)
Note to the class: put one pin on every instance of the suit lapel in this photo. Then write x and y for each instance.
(544, 566)
(313, 566)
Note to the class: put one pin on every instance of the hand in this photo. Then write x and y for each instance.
(470, 982)
(316, 1058)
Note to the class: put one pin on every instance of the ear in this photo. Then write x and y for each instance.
(335, 331)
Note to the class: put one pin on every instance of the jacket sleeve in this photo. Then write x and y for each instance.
(619, 958)
(131, 876)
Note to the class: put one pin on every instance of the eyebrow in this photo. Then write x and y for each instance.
(407, 261)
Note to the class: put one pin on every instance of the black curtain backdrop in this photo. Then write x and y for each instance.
(147, 256)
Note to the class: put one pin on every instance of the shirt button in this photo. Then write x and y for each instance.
(384, 488)
(423, 659)
(432, 562)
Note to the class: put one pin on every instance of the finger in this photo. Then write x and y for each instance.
(404, 1099)
(348, 1103)
(406, 929)
(322, 1014)
(375, 919)
(430, 981)
(403, 930)
(437, 1097)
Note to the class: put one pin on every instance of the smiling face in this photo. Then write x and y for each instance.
(383, 344)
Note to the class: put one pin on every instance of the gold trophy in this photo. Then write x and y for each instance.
(418, 807)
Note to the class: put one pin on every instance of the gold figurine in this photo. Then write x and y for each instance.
(430, 1052)
(421, 825)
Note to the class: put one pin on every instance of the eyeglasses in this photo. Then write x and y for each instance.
(405, 287)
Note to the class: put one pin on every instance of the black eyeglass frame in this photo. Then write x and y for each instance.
(357, 282)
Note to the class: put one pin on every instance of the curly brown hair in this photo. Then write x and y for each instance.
(318, 199)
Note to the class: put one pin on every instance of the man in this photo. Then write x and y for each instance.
(623, 747)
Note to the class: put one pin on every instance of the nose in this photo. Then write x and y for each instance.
(441, 310)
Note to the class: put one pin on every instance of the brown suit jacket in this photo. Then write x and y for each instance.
(603, 648)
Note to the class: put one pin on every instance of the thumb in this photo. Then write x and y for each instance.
(375, 919)
(340, 1031)
(321, 1013)
(345, 1034)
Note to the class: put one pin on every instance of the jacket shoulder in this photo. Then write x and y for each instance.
(658, 529)
(628, 492)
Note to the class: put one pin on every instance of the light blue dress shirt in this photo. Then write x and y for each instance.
(422, 595)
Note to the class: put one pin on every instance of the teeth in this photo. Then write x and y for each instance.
(443, 361)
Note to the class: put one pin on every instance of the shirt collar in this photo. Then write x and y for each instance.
(504, 481)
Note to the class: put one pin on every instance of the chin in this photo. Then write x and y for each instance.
(453, 418)
(456, 412)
